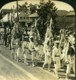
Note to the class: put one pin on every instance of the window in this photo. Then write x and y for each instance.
(20, 17)
(24, 17)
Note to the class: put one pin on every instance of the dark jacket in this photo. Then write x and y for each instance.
(71, 51)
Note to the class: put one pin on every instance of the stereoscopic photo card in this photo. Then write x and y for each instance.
(37, 40)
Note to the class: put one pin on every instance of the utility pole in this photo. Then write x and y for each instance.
(17, 10)
(5, 40)
(11, 22)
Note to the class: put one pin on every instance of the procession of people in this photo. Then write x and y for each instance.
(59, 50)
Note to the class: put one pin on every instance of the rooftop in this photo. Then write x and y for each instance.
(71, 13)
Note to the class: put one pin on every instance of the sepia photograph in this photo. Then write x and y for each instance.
(37, 40)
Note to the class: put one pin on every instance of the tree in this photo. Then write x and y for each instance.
(33, 8)
(23, 7)
(46, 11)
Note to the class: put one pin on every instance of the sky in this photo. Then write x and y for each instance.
(60, 5)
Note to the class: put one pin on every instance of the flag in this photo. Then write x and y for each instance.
(51, 22)
(13, 13)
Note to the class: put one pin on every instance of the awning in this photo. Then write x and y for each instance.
(34, 15)
(6, 18)
(71, 13)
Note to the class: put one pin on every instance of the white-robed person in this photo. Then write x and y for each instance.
(47, 53)
(47, 45)
(65, 50)
(13, 47)
(32, 49)
(36, 54)
(25, 49)
(70, 61)
(56, 57)
(19, 52)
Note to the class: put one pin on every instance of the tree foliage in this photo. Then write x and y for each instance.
(33, 8)
(46, 11)
(23, 7)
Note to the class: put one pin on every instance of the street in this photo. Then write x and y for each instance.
(13, 70)
(9, 72)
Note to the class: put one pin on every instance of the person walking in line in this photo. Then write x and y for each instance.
(70, 61)
(65, 50)
(13, 47)
(25, 54)
(19, 52)
(32, 49)
(47, 53)
(56, 57)
(25, 49)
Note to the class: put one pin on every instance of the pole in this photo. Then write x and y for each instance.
(17, 10)
(11, 27)
(4, 36)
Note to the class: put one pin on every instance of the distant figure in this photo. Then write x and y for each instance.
(32, 49)
(62, 35)
(3, 38)
(19, 52)
(65, 51)
(13, 48)
(25, 54)
(9, 41)
(25, 48)
(17, 31)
